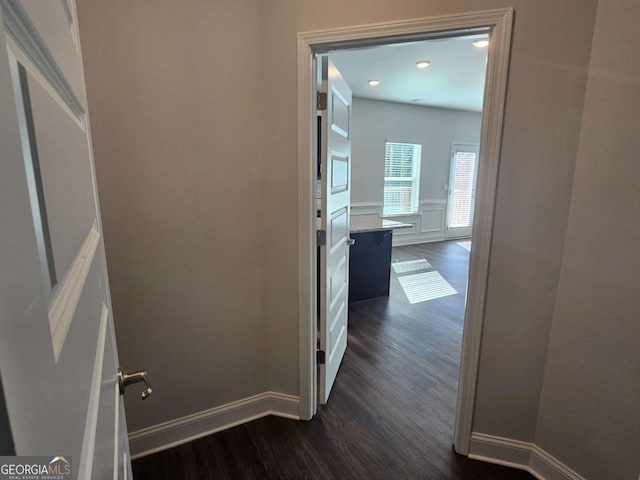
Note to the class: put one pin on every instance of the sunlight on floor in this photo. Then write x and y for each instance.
(466, 245)
(411, 266)
(423, 287)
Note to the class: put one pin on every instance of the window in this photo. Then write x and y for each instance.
(463, 176)
(462, 186)
(401, 178)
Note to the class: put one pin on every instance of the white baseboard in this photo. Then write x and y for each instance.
(182, 430)
(400, 241)
(549, 467)
(522, 455)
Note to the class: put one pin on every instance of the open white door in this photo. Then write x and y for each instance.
(58, 357)
(462, 189)
(335, 145)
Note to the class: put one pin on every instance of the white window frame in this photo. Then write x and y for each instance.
(415, 179)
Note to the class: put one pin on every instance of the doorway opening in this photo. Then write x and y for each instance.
(494, 24)
(386, 147)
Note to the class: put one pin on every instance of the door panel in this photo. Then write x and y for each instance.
(338, 227)
(58, 358)
(335, 147)
(340, 172)
(340, 107)
(62, 153)
(56, 24)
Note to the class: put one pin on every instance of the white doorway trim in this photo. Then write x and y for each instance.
(499, 23)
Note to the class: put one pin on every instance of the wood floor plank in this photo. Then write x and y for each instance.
(391, 411)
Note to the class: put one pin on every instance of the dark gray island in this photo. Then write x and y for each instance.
(370, 256)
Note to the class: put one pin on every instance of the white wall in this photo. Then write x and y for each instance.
(375, 122)
(591, 393)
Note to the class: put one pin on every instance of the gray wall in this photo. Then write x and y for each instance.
(174, 92)
(435, 129)
(547, 79)
(589, 407)
(195, 131)
(551, 47)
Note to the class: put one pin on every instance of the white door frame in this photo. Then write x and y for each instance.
(499, 23)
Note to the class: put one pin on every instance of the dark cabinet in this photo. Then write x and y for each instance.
(370, 264)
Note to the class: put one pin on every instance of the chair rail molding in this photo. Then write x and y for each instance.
(366, 208)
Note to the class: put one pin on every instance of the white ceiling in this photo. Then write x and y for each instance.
(455, 78)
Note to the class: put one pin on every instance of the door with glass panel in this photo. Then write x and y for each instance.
(462, 189)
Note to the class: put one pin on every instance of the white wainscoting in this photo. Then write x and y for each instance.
(522, 455)
(182, 430)
(366, 208)
(428, 225)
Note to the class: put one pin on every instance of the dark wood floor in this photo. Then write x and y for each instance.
(391, 411)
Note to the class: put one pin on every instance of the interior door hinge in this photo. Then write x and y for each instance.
(321, 101)
(320, 357)
(321, 237)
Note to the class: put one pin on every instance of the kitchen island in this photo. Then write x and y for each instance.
(370, 256)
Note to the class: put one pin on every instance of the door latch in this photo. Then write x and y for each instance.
(126, 379)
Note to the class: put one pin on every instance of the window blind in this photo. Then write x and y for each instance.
(461, 203)
(401, 177)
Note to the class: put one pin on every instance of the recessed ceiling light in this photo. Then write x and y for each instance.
(423, 63)
(481, 43)
(374, 83)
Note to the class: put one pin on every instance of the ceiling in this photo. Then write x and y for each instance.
(455, 78)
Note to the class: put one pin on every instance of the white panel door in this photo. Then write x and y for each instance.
(58, 357)
(334, 266)
(462, 189)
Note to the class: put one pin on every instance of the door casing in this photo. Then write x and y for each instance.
(499, 23)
